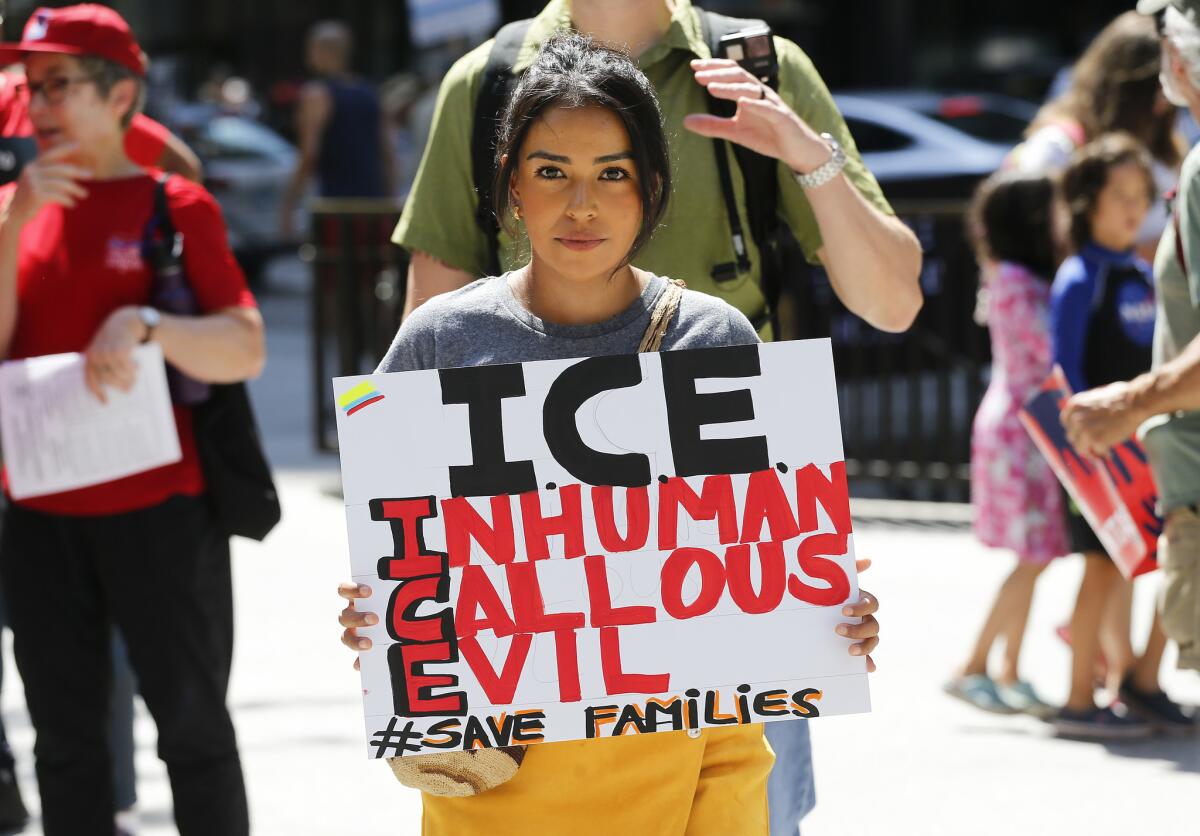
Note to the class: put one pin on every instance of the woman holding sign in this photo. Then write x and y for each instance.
(584, 169)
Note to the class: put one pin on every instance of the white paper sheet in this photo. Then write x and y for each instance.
(57, 436)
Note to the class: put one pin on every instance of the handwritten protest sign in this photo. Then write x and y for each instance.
(1116, 493)
(572, 549)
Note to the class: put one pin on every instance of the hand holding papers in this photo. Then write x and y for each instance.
(57, 436)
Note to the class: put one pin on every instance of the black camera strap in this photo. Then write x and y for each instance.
(729, 270)
(759, 177)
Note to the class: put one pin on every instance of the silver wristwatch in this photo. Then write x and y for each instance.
(150, 318)
(822, 174)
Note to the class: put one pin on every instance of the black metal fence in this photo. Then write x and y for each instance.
(906, 400)
(357, 296)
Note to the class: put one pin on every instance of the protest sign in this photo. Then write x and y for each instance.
(1116, 493)
(571, 549)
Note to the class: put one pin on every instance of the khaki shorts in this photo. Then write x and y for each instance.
(1179, 556)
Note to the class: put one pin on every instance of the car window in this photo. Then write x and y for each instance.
(871, 137)
(237, 137)
(989, 126)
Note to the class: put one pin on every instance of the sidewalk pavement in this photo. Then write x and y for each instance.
(920, 764)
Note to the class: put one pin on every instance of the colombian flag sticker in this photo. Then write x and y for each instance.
(362, 395)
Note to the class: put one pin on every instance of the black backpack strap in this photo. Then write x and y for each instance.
(493, 96)
(759, 173)
(1180, 257)
(162, 211)
(160, 240)
(1172, 198)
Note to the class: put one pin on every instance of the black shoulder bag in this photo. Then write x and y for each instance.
(240, 489)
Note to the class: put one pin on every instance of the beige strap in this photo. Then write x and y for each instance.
(661, 316)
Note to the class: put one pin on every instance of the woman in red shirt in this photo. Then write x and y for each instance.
(141, 552)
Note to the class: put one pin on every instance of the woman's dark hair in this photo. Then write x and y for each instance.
(1087, 174)
(1012, 219)
(1114, 87)
(570, 71)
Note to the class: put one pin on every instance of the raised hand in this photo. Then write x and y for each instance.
(763, 121)
(52, 178)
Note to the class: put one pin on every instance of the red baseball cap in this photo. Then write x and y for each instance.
(86, 29)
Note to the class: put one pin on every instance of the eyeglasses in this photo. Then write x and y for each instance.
(53, 90)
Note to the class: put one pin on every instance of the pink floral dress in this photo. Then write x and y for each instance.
(1018, 503)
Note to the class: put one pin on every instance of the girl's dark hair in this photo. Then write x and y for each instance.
(1114, 87)
(572, 70)
(1086, 176)
(1012, 219)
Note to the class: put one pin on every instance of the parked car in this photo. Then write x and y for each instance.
(925, 145)
(247, 167)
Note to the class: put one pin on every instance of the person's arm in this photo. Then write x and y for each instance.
(178, 158)
(1070, 315)
(10, 240)
(226, 346)
(1172, 387)
(428, 277)
(312, 115)
(872, 258)
(1099, 419)
(151, 145)
(51, 178)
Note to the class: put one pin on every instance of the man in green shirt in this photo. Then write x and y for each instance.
(846, 225)
(841, 219)
(1165, 402)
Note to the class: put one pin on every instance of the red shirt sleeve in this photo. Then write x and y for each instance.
(145, 140)
(212, 271)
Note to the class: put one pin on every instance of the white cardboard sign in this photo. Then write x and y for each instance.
(576, 549)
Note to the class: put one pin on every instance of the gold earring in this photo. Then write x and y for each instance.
(517, 211)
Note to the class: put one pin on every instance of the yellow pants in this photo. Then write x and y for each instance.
(664, 784)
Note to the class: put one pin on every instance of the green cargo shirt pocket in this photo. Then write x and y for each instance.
(1179, 556)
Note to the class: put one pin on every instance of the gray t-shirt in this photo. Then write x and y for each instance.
(1173, 440)
(484, 323)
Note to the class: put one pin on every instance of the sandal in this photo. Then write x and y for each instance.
(980, 691)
